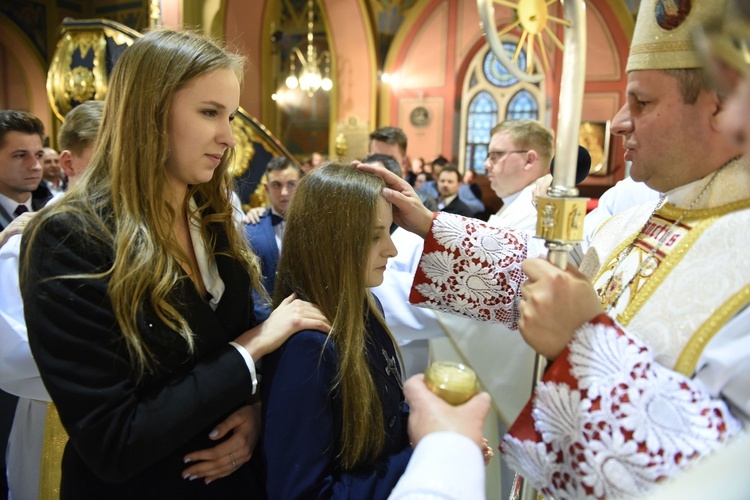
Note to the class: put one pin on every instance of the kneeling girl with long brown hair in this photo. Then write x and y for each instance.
(334, 419)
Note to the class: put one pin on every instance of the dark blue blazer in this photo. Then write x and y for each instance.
(262, 239)
(302, 418)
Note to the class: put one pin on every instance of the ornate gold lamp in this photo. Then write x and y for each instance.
(315, 70)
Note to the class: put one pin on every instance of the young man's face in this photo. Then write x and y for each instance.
(448, 184)
(280, 186)
(505, 165)
(20, 165)
(51, 164)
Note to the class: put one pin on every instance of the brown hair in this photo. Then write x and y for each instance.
(691, 81)
(335, 203)
(391, 135)
(19, 121)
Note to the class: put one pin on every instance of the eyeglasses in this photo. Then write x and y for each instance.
(496, 156)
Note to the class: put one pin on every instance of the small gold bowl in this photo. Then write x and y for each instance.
(454, 382)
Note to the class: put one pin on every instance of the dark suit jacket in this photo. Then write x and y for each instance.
(458, 207)
(302, 416)
(39, 198)
(128, 436)
(262, 239)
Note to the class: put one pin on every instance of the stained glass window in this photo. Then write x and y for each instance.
(481, 118)
(496, 73)
(491, 94)
(522, 105)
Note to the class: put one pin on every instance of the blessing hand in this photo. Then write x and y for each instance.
(408, 210)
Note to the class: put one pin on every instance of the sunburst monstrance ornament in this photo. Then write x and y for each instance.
(532, 17)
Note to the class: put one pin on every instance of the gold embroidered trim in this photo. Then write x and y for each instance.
(637, 300)
(670, 211)
(639, 297)
(53, 446)
(694, 348)
(650, 48)
(614, 254)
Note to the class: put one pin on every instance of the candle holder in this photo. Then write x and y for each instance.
(454, 382)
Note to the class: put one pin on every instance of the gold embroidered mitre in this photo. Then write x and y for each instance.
(663, 33)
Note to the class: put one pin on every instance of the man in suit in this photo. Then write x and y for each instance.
(265, 237)
(465, 193)
(21, 148)
(448, 183)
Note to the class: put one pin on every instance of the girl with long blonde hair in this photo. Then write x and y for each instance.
(334, 414)
(136, 288)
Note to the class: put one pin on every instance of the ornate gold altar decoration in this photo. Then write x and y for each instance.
(342, 146)
(243, 151)
(561, 212)
(79, 66)
(532, 17)
(154, 14)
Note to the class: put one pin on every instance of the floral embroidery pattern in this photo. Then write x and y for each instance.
(615, 422)
(471, 269)
(607, 420)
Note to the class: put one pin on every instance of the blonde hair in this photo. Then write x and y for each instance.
(80, 127)
(327, 239)
(528, 134)
(120, 197)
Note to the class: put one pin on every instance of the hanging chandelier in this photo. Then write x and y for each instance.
(315, 70)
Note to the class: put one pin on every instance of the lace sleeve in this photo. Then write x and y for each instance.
(471, 269)
(608, 421)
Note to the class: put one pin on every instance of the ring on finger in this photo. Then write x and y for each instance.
(234, 463)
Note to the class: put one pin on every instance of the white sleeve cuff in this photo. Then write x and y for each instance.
(249, 362)
(444, 465)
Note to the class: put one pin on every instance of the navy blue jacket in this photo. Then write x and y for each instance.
(262, 240)
(303, 417)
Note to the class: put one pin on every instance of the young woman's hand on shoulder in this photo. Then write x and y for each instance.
(292, 315)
